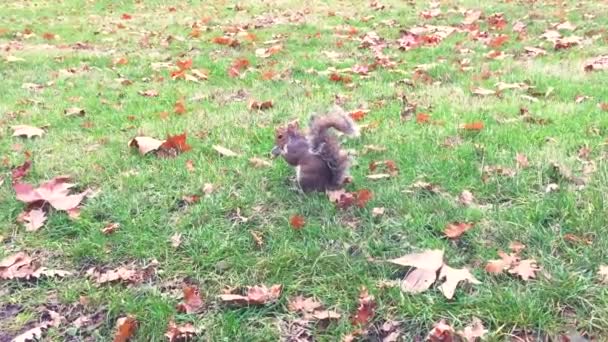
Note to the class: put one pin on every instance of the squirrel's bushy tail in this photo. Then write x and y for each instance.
(327, 145)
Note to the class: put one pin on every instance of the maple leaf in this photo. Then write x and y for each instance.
(456, 229)
(125, 328)
(21, 171)
(110, 228)
(28, 131)
(526, 269)
(305, 305)
(180, 107)
(256, 295)
(224, 151)
(473, 331)
(452, 278)
(259, 105)
(297, 222)
(145, 144)
(428, 260)
(192, 300)
(184, 332)
(418, 280)
(366, 310)
(34, 219)
(55, 192)
(174, 145)
(441, 332)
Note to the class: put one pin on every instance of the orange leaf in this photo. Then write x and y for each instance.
(261, 105)
(226, 41)
(237, 66)
(297, 222)
(195, 33)
(185, 64)
(473, 126)
(48, 36)
(120, 61)
(173, 146)
(365, 311)
(126, 16)
(126, 327)
(180, 107)
(456, 229)
(268, 75)
(362, 197)
(192, 300)
(422, 118)
(498, 41)
(358, 114)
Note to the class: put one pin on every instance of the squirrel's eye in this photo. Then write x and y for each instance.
(280, 136)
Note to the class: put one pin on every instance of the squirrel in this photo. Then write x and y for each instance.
(319, 161)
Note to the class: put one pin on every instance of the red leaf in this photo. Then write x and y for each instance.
(192, 300)
(126, 16)
(173, 146)
(498, 41)
(365, 311)
(358, 114)
(362, 197)
(497, 21)
(456, 229)
(297, 222)
(237, 66)
(226, 41)
(126, 327)
(473, 126)
(422, 118)
(335, 77)
(48, 36)
(180, 107)
(21, 171)
(184, 65)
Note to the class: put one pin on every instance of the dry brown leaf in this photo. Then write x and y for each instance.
(597, 63)
(176, 240)
(366, 310)
(378, 176)
(125, 328)
(473, 331)
(110, 228)
(184, 332)
(259, 105)
(256, 295)
(34, 219)
(21, 266)
(305, 305)
(225, 152)
(259, 162)
(74, 111)
(452, 277)
(483, 92)
(418, 280)
(193, 302)
(145, 144)
(28, 131)
(471, 16)
(526, 269)
(441, 332)
(456, 229)
(428, 260)
(118, 274)
(603, 274)
(325, 315)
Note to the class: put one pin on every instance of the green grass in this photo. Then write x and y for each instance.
(330, 258)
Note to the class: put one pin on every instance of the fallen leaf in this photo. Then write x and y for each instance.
(125, 328)
(21, 171)
(378, 176)
(566, 25)
(456, 229)
(184, 64)
(226, 41)
(28, 131)
(305, 305)
(322, 315)
(597, 63)
(428, 260)
(534, 51)
(603, 274)
(192, 300)
(184, 332)
(472, 126)
(526, 269)
(224, 151)
(516, 247)
(378, 211)
(21, 266)
(267, 52)
(74, 111)
(498, 41)
(452, 277)
(473, 331)
(176, 240)
(256, 295)
(262, 105)
(145, 144)
(441, 332)
(119, 274)
(418, 280)
(358, 114)
(55, 192)
(34, 219)
(366, 310)
(362, 197)
(259, 162)
(179, 107)
(297, 222)
(110, 228)
(148, 93)
(48, 35)
(237, 66)
(173, 146)
(576, 239)
(483, 91)
(208, 188)
(466, 198)
(471, 16)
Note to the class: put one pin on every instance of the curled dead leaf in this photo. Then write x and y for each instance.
(28, 131)
(145, 144)
(225, 152)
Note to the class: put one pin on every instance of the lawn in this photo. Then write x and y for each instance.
(501, 104)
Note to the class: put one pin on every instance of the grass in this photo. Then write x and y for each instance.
(330, 258)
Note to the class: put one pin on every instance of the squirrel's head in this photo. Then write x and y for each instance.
(282, 135)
